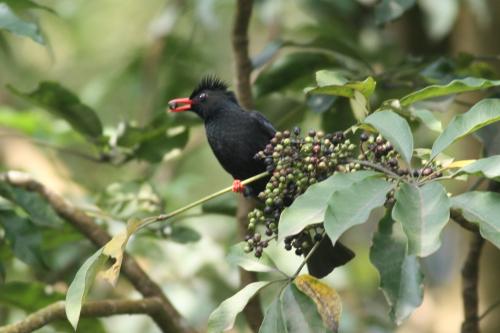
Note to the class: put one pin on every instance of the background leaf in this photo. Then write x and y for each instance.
(488, 167)
(389, 10)
(11, 22)
(423, 212)
(400, 277)
(481, 114)
(482, 208)
(64, 104)
(248, 261)
(395, 129)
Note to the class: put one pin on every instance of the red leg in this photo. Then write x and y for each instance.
(238, 187)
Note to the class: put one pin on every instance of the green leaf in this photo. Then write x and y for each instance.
(222, 318)
(80, 286)
(27, 4)
(183, 234)
(11, 22)
(40, 212)
(389, 10)
(488, 167)
(29, 296)
(153, 149)
(64, 104)
(395, 129)
(310, 207)
(423, 212)
(483, 113)
(24, 237)
(400, 275)
(428, 119)
(332, 83)
(273, 319)
(482, 208)
(454, 87)
(248, 261)
(353, 205)
(225, 205)
(300, 312)
(289, 69)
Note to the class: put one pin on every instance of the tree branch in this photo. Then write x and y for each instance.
(470, 277)
(151, 306)
(169, 320)
(460, 220)
(243, 70)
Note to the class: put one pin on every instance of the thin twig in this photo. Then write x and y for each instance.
(489, 309)
(457, 217)
(376, 167)
(304, 262)
(56, 311)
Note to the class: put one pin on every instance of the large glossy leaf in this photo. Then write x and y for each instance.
(352, 205)
(41, 213)
(64, 104)
(248, 261)
(388, 10)
(482, 208)
(310, 207)
(488, 167)
(481, 114)
(300, 313)
(24, 237)
(423, 212)
(327, 299)
(454, 87)
(80, 286)
(11, 22)
(400, 275)
(395, 129)
(222, 318)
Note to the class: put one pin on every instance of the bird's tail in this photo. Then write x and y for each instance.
(327, 257)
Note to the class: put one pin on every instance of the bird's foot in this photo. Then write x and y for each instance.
(238, 187)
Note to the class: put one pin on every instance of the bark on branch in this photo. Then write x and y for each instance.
(243, 70)
(168, 319)
(470, 277)
(149, 306)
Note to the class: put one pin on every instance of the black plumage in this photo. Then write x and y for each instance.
(235, 136)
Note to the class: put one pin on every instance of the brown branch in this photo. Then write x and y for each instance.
(240, 49)
(169, 320)
(470, 277)
(243, 70)
(460, 220)
(55, 311)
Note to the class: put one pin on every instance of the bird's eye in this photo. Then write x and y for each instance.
(203, 97)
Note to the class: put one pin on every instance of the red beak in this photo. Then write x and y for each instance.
(174, 106)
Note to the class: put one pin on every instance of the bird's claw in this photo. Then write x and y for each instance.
(238, 187)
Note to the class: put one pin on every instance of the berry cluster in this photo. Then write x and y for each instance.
(295, 162)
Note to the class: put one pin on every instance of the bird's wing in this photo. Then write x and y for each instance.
(269, 128)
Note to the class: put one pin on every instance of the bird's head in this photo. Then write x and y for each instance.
(207, 98)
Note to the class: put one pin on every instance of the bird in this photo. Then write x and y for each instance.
(235, 135)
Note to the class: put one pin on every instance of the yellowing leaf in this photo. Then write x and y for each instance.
(326, 298)
(459, 164)
(115, 249)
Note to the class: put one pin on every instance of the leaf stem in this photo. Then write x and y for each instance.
(376, 167)
(149, 220)
(304, 262)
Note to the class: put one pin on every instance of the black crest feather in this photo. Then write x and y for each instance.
(209, 82)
